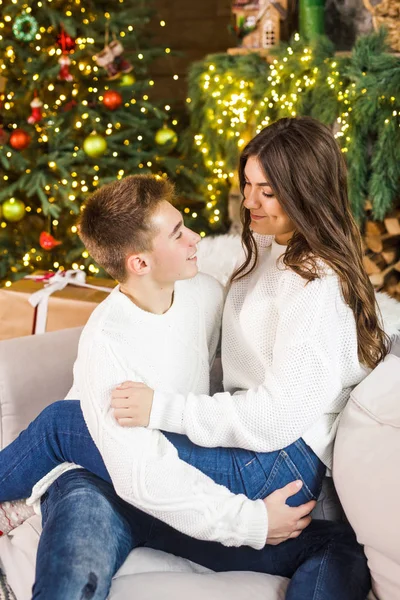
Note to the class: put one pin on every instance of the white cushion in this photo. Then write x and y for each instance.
(366, 472)
(172, 577)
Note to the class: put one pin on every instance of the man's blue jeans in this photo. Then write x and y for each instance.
(89, 531)
(60, 434)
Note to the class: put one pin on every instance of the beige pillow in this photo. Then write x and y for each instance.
(366, 472)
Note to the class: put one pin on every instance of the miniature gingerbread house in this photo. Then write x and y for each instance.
(261, 21)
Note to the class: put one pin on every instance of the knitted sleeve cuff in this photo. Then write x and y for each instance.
(257, 531)
(167, 412)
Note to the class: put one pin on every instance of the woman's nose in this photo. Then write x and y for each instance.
(250, 200)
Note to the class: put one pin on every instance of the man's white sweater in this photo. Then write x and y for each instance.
(292, 347)
(173, 352)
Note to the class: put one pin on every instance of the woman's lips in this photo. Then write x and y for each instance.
(256, 217)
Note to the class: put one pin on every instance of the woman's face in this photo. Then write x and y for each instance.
(267, 215)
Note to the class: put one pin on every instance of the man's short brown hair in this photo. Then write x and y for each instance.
(116, 220)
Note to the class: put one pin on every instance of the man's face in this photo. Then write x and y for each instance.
(174, 246)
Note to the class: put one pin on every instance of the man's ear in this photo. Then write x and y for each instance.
(138, 264)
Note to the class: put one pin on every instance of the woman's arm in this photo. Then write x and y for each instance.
(304, 379)
(146, 470)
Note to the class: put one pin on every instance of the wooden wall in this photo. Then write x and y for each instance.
(197, 28)
(194, 29)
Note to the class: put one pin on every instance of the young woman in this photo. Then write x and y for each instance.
(300, 330)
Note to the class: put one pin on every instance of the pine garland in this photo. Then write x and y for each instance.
(234, 97)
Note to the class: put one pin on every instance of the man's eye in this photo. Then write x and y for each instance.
(179, 235)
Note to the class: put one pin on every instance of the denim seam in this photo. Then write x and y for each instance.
(291, 465)
(321, 571)
(305, 454)
(271, 477)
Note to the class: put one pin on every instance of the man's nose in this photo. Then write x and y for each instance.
(196, 238)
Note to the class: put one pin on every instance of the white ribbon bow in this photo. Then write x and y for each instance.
(59, 281)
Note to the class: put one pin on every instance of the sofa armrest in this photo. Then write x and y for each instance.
(34, 372)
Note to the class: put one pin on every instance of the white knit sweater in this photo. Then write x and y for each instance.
(292, 347)
(173, 352)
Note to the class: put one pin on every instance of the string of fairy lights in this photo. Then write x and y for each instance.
(236, 114)
(77, 186)
(233, 114)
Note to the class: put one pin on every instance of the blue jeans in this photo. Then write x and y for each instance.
(88, 531)
(60, 433)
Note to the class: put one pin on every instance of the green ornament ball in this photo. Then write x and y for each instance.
(94, 145)
(166, 137)
(126, 80)
(13, 210)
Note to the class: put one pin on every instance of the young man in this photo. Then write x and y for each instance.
(160, 326)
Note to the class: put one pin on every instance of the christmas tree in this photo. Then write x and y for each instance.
(75, 113)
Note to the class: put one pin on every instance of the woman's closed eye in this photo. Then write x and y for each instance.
(267, 195)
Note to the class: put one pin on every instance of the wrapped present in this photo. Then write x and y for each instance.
(50, 301)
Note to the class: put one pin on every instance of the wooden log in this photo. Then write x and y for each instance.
(374, 228)
(378, 279)
(374, 243)
(382, 243)
(392, 225)
(374, 263)
(368, 205)
(389, 256)
(392, 280)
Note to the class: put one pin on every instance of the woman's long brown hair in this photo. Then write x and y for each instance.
(307, 173)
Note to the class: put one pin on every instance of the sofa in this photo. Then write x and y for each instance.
(36, 370)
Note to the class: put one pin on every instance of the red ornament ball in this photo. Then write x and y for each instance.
(65, 42)
(19, 139)
(47, 241)
(112, 100)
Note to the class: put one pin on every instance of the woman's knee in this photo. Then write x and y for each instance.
(59, 412)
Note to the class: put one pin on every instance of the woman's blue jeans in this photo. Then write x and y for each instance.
(89, 531)
(60, 434)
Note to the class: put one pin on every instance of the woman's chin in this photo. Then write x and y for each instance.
(261, 228)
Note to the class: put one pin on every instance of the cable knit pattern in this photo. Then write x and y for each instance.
(292, 346)
(172, 351)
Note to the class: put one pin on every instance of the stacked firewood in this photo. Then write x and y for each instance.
(382, 253)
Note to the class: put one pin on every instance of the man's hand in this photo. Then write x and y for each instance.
(132, 404)
(285, 522)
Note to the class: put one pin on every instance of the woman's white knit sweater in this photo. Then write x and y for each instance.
(172, 351)
(291, 347)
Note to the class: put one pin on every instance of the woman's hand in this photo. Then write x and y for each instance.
(132, 404)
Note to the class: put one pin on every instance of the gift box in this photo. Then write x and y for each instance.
(48, 302)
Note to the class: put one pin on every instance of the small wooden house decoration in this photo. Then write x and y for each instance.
(260, 20)
(387, 14)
